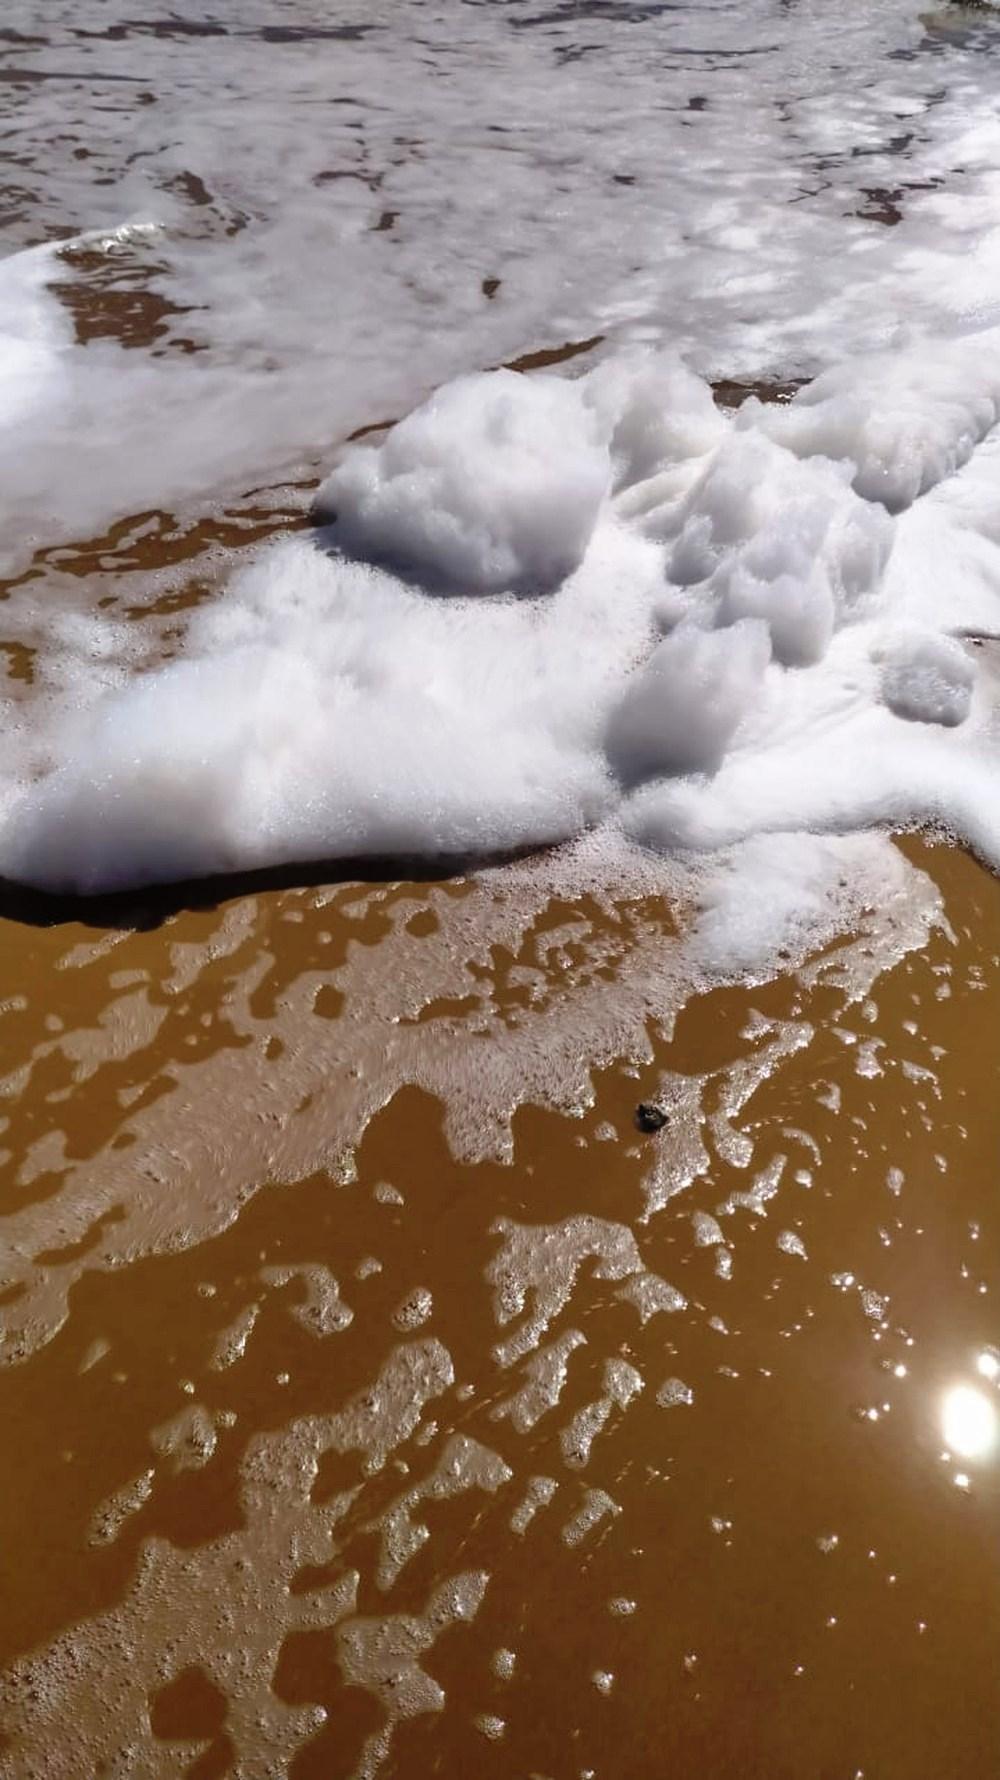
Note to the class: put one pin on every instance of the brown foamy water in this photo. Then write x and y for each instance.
(380, 1400)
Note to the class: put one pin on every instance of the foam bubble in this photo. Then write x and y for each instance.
(927, 678)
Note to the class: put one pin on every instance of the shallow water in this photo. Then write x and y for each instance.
(273, 1399)
(378, 1398)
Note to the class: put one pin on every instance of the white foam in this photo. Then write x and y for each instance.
(927, 678)
(348, 238)
(518, 521)
(328, 708)
(697, 628)
(32, 332)
(780, 539)
(325, 709)
(917, 418)
(680, 712)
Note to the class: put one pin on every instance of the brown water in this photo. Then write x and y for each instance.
(330, 1454)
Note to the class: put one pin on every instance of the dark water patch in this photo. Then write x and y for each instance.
(221, 216)
(193, 188)
(332, 175)
(157, 540)
(149, 907)
(112, 300)
(732, 392)
(569, 53)
(883, 204)
(157, 28)
(16, 203)
(311, 33)
(166, 29)
(896, 145)
(20, 661)
(572, 11)
(713, 55)
(367, 432)
(553, 355)
(74, 1251)
(190, 1708)
(88, 77)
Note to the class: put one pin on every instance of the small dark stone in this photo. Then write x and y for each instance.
(650, 1118)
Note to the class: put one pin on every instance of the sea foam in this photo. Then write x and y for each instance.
(591, 603)
(257, 282)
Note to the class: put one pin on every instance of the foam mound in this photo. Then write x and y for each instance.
(679, 713)
(493, 486)
(689, 628)
(927, 678)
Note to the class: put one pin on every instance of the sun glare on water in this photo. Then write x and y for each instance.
(969, 1422)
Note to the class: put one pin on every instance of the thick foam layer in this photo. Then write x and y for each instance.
(541, 604)
(476, 492)
(734, 643)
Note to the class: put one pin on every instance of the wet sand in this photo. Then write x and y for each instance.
(552, 1464)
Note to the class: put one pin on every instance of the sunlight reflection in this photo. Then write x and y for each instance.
(988, 1364)
(969, 1421)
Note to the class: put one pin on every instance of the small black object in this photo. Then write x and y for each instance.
(649, 1118)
